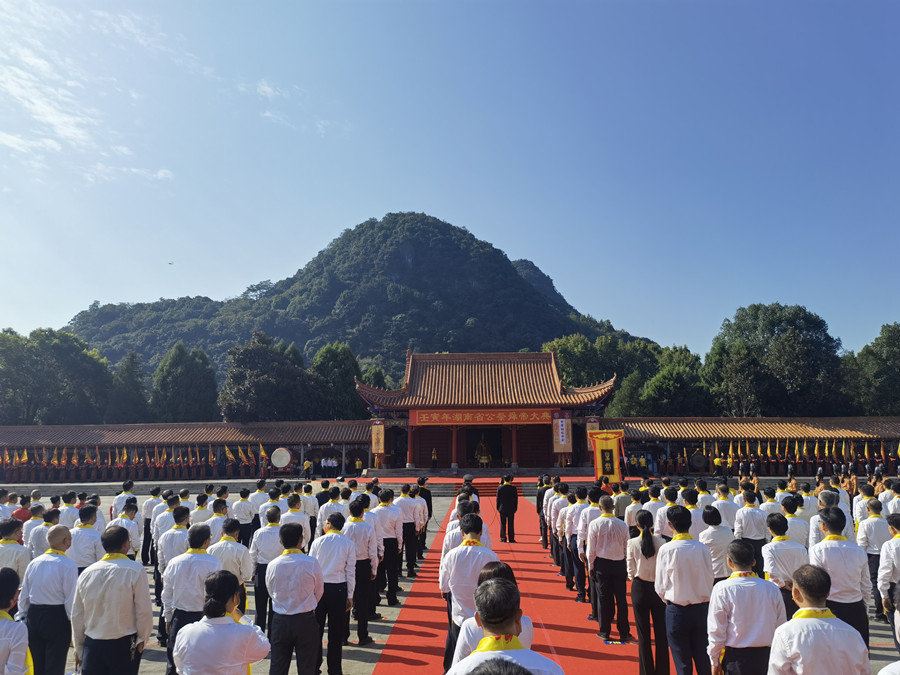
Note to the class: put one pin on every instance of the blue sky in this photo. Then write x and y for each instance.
(664, 162)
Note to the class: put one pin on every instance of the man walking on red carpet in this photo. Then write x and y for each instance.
(507, 504)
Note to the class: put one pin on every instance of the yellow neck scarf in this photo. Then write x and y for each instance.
(196, 550)
(835, 537)
(56, 552)
(471, 542)
(781, 538)
(498, 643)
(680, 536)
(114, 556)
(179, 527)
(289, 551)
(84, 527)
(357, 520)
(814, 614)
(227, 538)
(6, 542)
(737, 575)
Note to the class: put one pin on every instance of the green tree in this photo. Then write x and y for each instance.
(184, 387)
(677, 389)
(128, 402)
(264, 383)
(628, 401)
(874, 377)
(374, 376)
(579, 365)
(337, 364)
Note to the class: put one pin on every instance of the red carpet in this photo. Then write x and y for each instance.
(561, 629)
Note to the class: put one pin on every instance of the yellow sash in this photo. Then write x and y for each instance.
(357, 520)
(288, 551)
(814, 614)
(737, 575)
(29, 664)
(780, 538)
(114, 556)
(681, 536)
(55, 552)
(498, 643)
(196, 550)
(835, 537)
(471, 542)
(227, 538)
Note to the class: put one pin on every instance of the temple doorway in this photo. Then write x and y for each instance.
(484, 440)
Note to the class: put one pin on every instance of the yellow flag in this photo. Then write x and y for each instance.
(228, 454)
(867, 451)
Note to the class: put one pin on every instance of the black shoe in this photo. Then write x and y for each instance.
(374, 616)
(411, 575)
(570, 588)
(591, 617)
(579, 599)
(365, 641)
(393, 603)
(163, 643)
(603, 636)
(512, 541)
(628, 637)
(503, 541)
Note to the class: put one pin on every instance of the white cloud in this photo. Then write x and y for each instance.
(122, 150)
(20, 144)
(269, 91)
(277, 118)
(103, 172)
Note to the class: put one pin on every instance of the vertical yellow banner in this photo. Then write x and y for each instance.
(378, 437)
(562, 432)
(607, 453)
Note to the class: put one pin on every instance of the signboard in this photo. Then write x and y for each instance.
(562, 432)
(423, 418)
(607, 447)
(378, 436)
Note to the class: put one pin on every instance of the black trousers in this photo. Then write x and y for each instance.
(409, 546)
(180, 619)
(746, 660)
(146, 544)
(649, 606)
(294, 634)
(255, 524)
(507, 527)
(686, 630)
(312, 531)
(157, 577)
(579, 565)
(332, 609)
(362, 598)
(789, 605)
(611, 576)
(49, 633)
(554, 549)
(853, 613)
(874, 560)
(162, 633)
(110, 657)
(261, 594)
(246, 534)
(543, 528)
(450, 645)
(568, 566)
(386, 576)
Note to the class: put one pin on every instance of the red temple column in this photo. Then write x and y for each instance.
(454, 453)
(515, 449)
(410, 459)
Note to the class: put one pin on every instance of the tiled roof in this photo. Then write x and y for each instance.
(752, 428)
(514, 380)
(215, 433)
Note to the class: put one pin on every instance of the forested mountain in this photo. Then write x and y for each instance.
(406, 281)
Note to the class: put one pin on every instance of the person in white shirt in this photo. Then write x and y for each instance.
(724, 504)
(337, 558)
(781, 558)
(86, 547)
(471, 633)
(798, 528)
(264, 548)
(112, 617)
(202, 512)
(390, 527)
(640, 560)
(13, 554)
(223, 642)
(6, 510)
(750, 524)
(572, 518)
(827, 499)
(219, 514)
(45, 603)
(872, 534)
(295, 514)
(655, 503)
(630, 515)
(119, 500)
(815, 640)
(126, 520)
(660, 520)
(363, 537)
(847, 565)
(310, 506)
(36, 520)
(689, 501)
(497, 602)
(558, 504)
(770, 504)
(174, 541)
(409, 511)
(866, 492)
(810, 503)
(243, 511)
(68, 514)
(184, 496)
(704, 498)
(588, 515)
(458, 578)
(257, 499)
(717, 536)
(184, 587)
(744, 611)
(234, 556)
(38, 544)
(684, 581)
(889, 572)
(147, 553)
(296, 585)
(604, 554)
(13, 634)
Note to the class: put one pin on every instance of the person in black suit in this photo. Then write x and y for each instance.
(507, 503)
(425, 494)
(543, 486)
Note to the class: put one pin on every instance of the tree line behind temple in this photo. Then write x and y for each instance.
(768, 360)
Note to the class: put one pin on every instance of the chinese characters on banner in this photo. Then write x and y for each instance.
(562, 432)
(421, 418)
(607, 447)
(378, 436)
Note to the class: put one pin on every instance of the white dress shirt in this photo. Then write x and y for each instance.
(421, 512)
(816, 535)
(265, 506)
(889, 566)
(215, 527)
(704, 499)
(684, 572)
(454, 537)
(653, 506)
(848, 566)
(27, 527)
(310, 505)
(744, 611)
(661, 521)
(243, 511)
(235, 557)
(750, 523)
(119, 503)
(818, 646)
(171, 545)
(770, 507)
(860, 513)
(199, 515)
(717, 538)
(134, 531)
(184, 582)
(49, 580)
(265, 545)
(470, 634)
(727, 509)
(301, 519)
(363, 537)
(531, 661)
(68, 516)
(697, 524)
(873, 533)
(37, 544)
(330, 507)
(148, 506)
(560, 525)
(631, 512)
(15, 556)
(781, 558)
(638, 566)
(112, 600)
(458, 575)
(557, 506)
(798, 530)
(390, 523)
(407, 507)
(13, 647)
(218, 646)
(162, 523)
(607, 538)
(337, 558)
(371, 517)
(573, 517)
(86, 548)
(585, 518)
(295, 583)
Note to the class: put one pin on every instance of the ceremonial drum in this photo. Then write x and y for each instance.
(281, 457)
